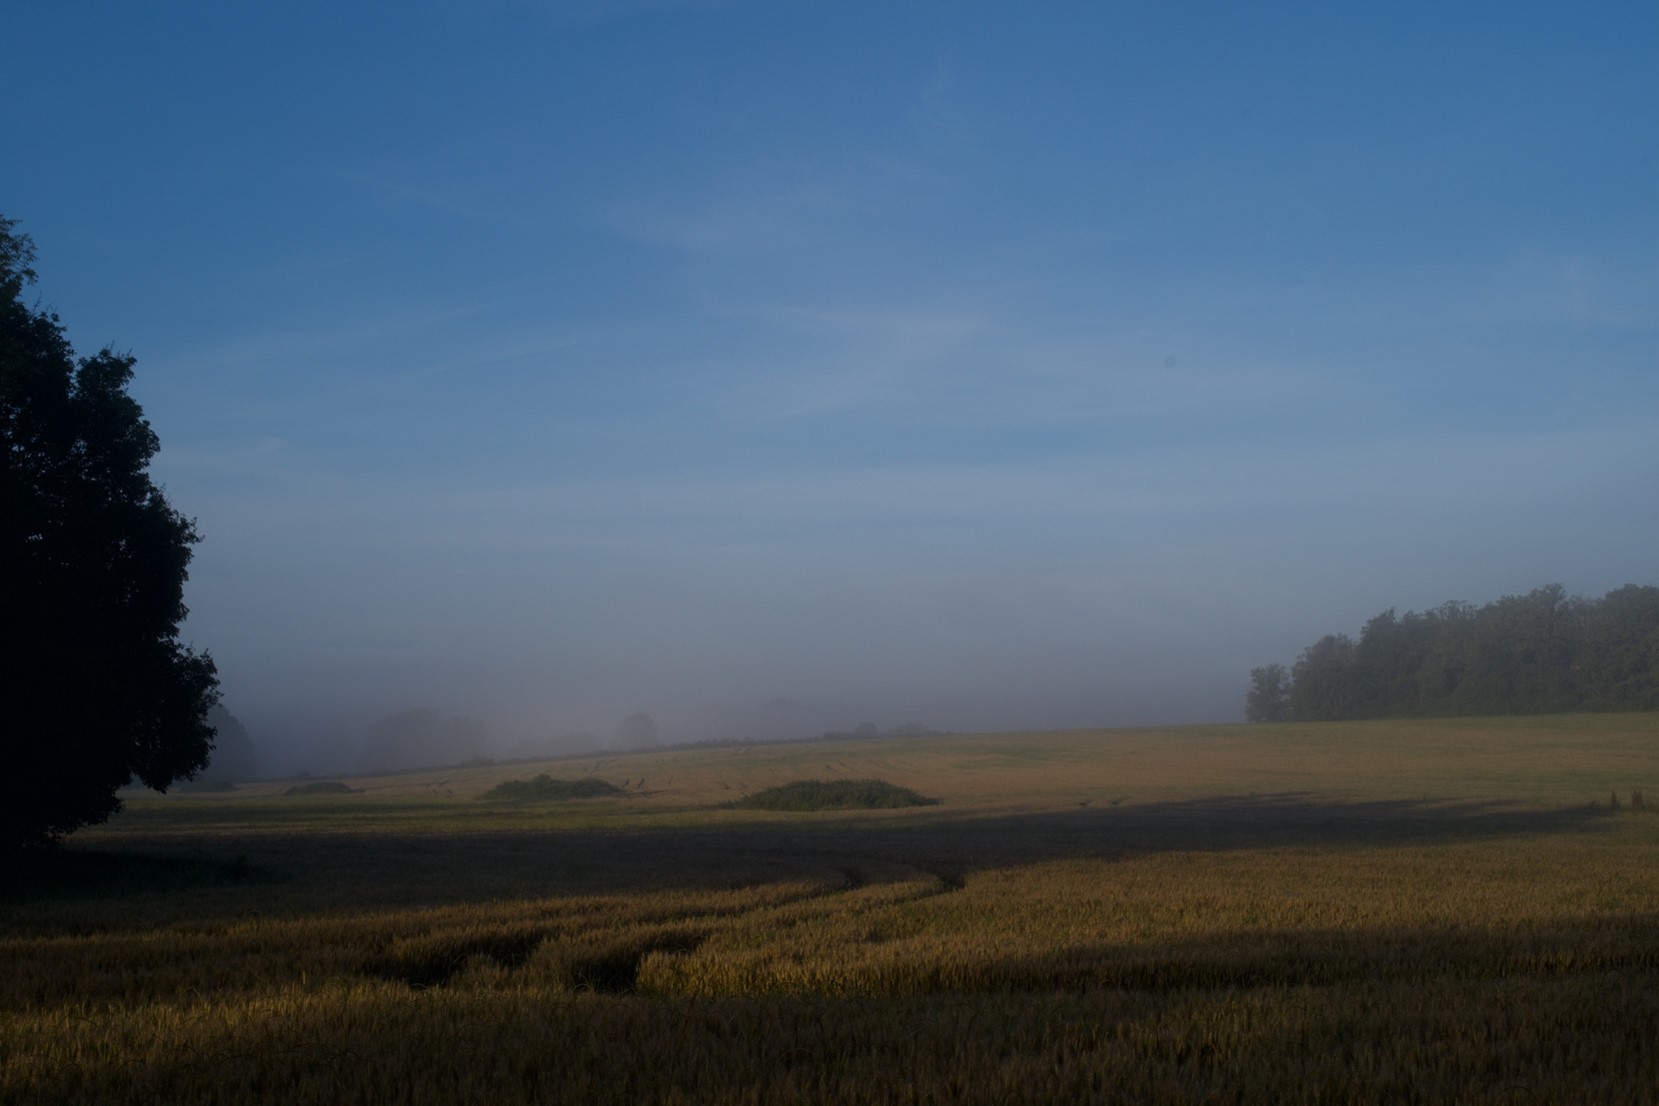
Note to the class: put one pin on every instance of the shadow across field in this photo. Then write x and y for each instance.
(330, 869)
(1225, 823)
(952, 847)
(70, 873)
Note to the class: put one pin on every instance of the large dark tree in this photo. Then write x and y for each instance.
(95, 687)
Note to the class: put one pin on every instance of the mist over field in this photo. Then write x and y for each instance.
(769, 370)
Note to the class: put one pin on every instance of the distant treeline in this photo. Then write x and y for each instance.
(1539, 653)
(869, 729)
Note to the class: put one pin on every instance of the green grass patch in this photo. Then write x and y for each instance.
(546, 787)
(833, 795)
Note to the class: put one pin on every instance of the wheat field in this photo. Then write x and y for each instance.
(1424, 911)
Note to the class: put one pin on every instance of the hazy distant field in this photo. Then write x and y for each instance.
(1387, 912)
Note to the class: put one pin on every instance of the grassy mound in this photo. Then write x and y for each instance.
(833, 795)
(321, 787)
(546, 787)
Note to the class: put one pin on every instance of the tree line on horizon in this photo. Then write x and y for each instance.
(1540, 653)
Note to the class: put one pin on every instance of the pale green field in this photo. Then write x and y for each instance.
(1436, 911)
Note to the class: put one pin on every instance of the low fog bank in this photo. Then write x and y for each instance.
(359, 706)
(975, 598)
(318, 740)
(510, 692)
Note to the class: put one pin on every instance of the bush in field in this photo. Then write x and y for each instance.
(546, 787)
(322, 787)
(833, 795)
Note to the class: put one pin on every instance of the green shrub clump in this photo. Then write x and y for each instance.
(546, 787)
(833, 795)
(321, 787)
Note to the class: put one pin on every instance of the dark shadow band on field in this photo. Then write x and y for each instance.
(68, 872)
(953, 846)
(1226, 823)
(329, 870)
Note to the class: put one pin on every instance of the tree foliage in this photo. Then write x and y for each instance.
(637, 731)
(1542, 652)
(1268, 699)
(97, 686)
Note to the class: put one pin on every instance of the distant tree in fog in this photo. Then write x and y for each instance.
(547, 746)
(637, 731)
(1322, 684)
(869, 730)
(234, 756)
(1269, 696)
(421, 738)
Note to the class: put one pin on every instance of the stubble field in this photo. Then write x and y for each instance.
(1426, 911)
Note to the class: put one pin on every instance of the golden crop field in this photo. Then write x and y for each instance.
(1424, 911)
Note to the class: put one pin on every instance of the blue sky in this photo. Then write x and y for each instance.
(977, 364)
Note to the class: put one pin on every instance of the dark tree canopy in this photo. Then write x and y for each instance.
(97, 688)
(1537, 653)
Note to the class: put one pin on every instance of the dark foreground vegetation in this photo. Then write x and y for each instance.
(544, 786)
(1540, 653)
(1400, 912)
(833, 795)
